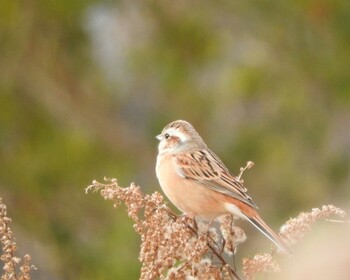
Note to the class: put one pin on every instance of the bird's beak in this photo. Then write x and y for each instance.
(159, 137)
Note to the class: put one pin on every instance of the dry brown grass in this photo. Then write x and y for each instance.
(177, 247)
(14, 268)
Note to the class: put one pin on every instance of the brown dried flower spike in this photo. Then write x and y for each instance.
(173, 247)
(11, 271)
(178, 247)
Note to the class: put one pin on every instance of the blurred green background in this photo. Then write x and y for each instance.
(86, 85)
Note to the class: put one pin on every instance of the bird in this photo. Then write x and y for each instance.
(198, 183)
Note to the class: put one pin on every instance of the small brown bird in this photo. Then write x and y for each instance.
(199, 184)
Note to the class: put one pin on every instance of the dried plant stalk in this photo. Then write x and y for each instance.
(295, 229)
(259, 263)
(172, 247)
(14, 268)
(178, 247)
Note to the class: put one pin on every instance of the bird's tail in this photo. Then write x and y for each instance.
(259, 223)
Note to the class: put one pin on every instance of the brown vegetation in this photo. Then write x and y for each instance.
(177, 247)
(14, 268)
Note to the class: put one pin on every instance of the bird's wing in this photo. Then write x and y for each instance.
(204, 167)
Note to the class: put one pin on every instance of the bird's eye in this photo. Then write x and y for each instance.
(167, 135)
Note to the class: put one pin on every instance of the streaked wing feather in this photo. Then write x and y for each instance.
(206, 168)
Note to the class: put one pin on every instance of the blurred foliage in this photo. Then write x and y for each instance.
(86, 85)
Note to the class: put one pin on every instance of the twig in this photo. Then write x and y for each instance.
(217, 254)
(337, 221)
(249, 165)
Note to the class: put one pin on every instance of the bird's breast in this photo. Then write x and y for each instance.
(168, 177)
(186, 194)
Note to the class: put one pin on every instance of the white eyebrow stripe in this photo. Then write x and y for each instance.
(176, 132)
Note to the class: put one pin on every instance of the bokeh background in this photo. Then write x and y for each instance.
(86, 85)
